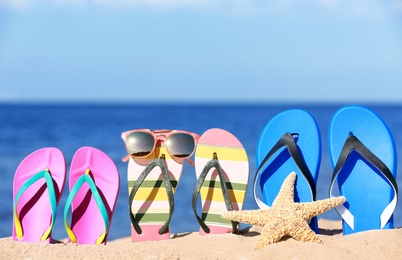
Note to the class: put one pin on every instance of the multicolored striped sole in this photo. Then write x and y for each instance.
(234, 163)
(150, 204)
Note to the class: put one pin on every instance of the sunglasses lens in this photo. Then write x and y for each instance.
(139, 144)
(180, 145)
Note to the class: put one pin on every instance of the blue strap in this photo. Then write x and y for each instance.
(99, 202)
(52, 197)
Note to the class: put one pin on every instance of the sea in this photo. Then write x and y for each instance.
(25, 128)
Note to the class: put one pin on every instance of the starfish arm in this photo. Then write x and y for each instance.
(286, 193)
(272, 232)
(301, 231)
(311, 209)
(253, 217)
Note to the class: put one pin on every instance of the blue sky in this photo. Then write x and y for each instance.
(200, 50)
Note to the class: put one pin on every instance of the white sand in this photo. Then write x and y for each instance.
(378, 244)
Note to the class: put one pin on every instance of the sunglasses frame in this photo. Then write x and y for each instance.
(160, 136)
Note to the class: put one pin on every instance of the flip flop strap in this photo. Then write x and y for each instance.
(287, 141)
(169, 190)
(52, 197)
(352, 143)
(86, 178)
(214, 163)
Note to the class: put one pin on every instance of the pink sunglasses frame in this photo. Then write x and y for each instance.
(160, 136)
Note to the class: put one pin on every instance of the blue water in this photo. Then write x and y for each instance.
(25, 128)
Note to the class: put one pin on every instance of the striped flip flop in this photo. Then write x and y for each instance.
(151, 185)
(222, 171)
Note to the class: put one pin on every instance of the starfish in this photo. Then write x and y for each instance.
(285, 217)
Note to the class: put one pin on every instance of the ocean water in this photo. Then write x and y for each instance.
(26, 128)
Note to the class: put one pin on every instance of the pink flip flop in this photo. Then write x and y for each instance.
(94, 185)
(38, 185)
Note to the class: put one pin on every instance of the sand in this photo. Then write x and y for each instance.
(375, 244)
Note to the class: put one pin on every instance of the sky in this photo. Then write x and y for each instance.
(200, 51)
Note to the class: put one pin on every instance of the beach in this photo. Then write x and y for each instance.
(188, 244)
(374, 244)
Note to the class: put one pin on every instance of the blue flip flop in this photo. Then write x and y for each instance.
(290, 142)
(363, 156)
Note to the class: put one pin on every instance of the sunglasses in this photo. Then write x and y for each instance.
(141, 143)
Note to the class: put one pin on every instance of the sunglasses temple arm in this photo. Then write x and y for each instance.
(190, 161)
(126, 158)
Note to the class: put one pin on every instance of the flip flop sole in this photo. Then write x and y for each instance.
(302, 124)
(34, 208)
(150, 204)
(234, 163)
(366, 190)
(86, 220)
(304, 130)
